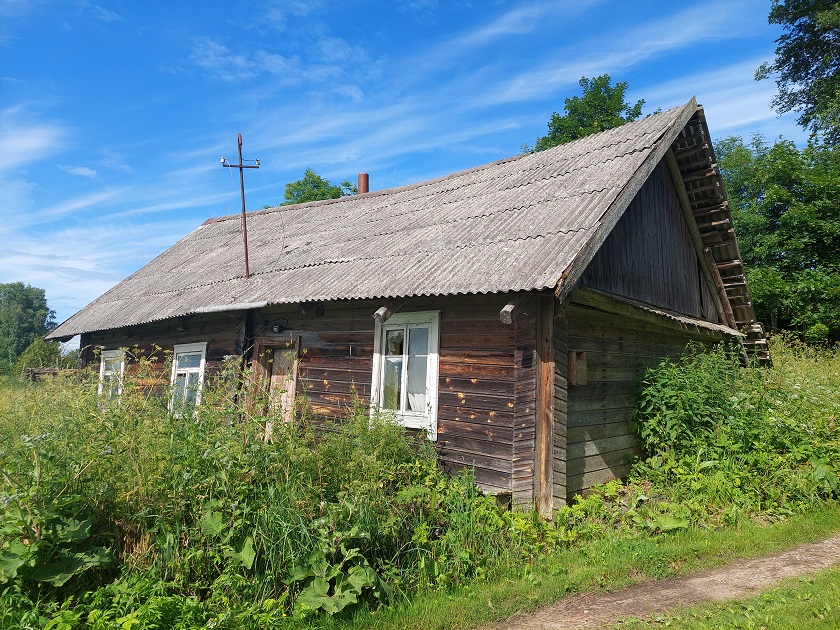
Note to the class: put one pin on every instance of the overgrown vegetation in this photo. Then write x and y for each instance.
(120, 515)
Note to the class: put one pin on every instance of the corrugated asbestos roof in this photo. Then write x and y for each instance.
(513, 225)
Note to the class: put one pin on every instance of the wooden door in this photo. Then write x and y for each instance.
(275, 370)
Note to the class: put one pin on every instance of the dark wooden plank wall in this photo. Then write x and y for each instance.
(223, 332)
(525, 373)
(599, 441)
(649, 255)
(486, 387)
(561, 407)
(485, 397)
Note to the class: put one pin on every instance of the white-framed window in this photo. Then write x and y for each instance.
(111, 370)
(405, 369)
(188, 362)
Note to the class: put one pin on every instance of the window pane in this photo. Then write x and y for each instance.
(110, 386)
(416, 386)
(188, 360)
(394, 341)
(112, 366)
(392, 382)
(418, 341)
(180, 387)
(192, 388)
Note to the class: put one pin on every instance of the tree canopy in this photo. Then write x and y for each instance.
(807, 64)
(601, 107)
(24, 317)
(786, 209)
(313, 187)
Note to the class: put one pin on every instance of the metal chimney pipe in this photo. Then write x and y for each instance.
(364, 183)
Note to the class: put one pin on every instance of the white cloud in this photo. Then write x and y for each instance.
(23, 142)
(102, 14)
(599, 55)
(734, 102)
(82, 171)
(217, 60)
(114, 161)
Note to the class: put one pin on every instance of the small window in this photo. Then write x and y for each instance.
(405, 369)
(187, 374)
(111, 370)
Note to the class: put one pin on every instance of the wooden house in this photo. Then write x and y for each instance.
(507, 310)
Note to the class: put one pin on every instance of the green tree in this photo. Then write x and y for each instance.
(24, 317)
(601, 107)
(807, 64)
(786, 209)
(313, 187)
(40, 353)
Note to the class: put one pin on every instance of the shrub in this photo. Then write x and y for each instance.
(756, 438)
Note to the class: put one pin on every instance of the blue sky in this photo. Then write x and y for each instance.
(113, 116)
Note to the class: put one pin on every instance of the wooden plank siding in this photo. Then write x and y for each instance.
(525, 374)
(649, 255)
(561, 407)
(486, 397)
(544, 420)
(619, 347)
(223, 332)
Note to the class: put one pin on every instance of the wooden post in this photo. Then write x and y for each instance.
(544, 438)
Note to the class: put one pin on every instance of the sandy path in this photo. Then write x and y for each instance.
(739, 580)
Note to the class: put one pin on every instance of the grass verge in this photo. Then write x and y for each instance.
(606, 563)
(806, 603)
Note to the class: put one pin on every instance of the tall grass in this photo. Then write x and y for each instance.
(120, 513)
(114, 509)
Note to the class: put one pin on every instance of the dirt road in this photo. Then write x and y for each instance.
(741, 579)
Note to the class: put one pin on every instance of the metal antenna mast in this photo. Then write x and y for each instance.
(241, 168)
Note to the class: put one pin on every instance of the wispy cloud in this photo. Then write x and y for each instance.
(114, 160)
(81, 171)
(84, 203)
(23, 141)
(278, 12)
(731, 98)
(102, 14)
(599, 55)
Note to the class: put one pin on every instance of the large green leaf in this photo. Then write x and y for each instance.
(75, 530)
(9, 564)
(212, 523)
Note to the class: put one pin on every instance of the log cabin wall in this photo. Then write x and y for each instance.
(649, 255)
(619, 344)
(561, 407)
(486, 380)
(525, 375)
(223, 332)
(486, 384)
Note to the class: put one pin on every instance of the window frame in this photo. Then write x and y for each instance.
(418, 319)
(185, 348)
(107, 355)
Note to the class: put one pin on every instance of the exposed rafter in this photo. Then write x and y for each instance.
(707, 197)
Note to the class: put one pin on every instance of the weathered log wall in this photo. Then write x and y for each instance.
(485, 392)
(223, 332)
(486, 385)
(619, 346)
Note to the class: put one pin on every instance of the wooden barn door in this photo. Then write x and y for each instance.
(275, 369)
